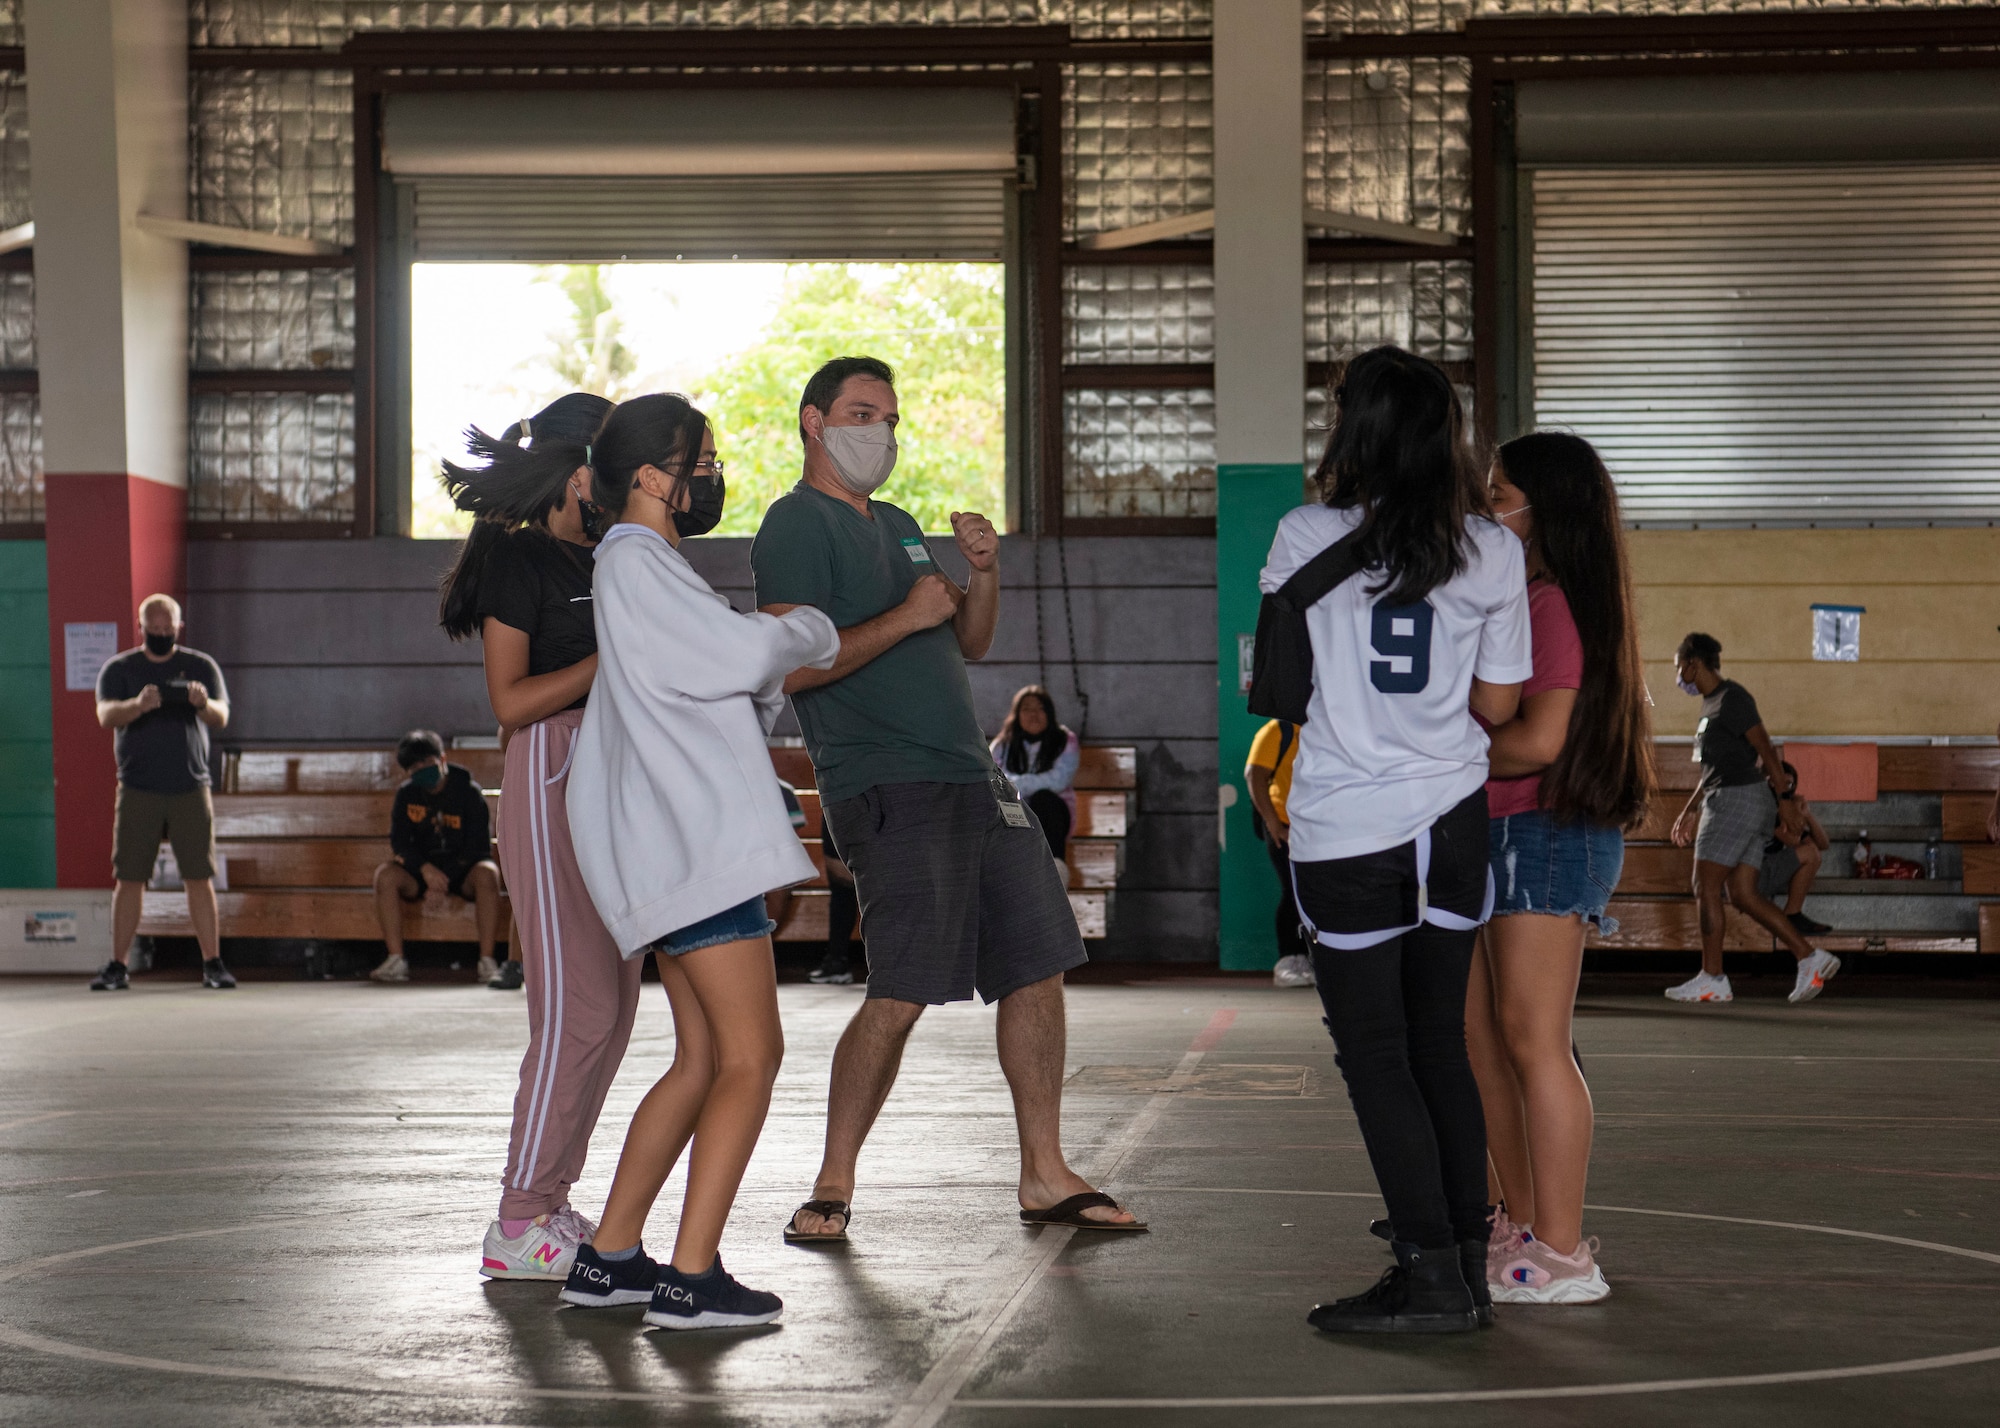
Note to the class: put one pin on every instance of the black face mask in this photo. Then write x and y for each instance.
(428, 777)
(705, 494)
(161, 645)
(592, 516)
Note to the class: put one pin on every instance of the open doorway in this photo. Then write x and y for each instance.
(491, 342)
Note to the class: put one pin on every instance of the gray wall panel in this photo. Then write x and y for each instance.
(291, 628)
(278, 704)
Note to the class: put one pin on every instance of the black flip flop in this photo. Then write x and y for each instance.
(1070, 1212)
(825, 1209)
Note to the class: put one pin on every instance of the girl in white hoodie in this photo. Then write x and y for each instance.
(680, 830)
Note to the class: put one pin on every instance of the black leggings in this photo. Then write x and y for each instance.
(1053, 814)
(1292, 937)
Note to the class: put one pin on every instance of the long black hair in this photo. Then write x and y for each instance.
(509, 492)
(1054, 739)
(1398, 452)
(1604, 773)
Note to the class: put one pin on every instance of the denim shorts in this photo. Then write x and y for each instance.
(1557, 869)
(735, 924)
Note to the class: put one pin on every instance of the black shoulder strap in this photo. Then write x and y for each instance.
(1286, 733)
(1310, 583)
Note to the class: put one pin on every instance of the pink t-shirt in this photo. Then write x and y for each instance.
(1558, 665)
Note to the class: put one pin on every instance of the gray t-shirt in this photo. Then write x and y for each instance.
(905, 716)
(165, 750)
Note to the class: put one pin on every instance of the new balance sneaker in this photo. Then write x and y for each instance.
(393, 969)
(510, 977)
(581, 1229)
(214, 974)
(708, 1301)
(114, 978)
(1702, 988)
(488, 969)
(1813, 975)
(1294, 971)
(544, 1249)
(1532, 1273)
(598, 1283)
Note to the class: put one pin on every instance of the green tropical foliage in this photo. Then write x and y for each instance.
(592, 359)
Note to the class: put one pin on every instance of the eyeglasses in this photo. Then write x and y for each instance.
(708, 468)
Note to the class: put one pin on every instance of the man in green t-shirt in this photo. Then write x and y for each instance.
(958, 893)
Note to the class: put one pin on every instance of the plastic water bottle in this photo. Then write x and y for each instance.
(1863, 854)
(1932, 854)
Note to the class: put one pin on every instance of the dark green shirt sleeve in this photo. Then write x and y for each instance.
(791, 559)
(1738, 714)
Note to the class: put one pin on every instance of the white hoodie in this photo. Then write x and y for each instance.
(674, 807)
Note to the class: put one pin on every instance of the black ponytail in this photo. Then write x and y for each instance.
(662, 429)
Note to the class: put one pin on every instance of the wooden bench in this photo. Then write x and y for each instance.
(1655, 905)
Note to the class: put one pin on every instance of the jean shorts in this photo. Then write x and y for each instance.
(736, 924)
(1556, 869)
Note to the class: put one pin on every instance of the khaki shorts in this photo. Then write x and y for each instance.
(144, 820)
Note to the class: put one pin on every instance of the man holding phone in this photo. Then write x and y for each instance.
(162, 700)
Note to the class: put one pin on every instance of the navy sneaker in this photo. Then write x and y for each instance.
(708, 1301)
(114, 978)
(598, 1283)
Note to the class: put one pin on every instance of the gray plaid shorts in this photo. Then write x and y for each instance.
(1736, 823)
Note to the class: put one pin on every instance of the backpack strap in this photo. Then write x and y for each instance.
(1311, 582)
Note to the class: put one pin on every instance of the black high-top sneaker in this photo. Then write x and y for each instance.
(114, 978)
(1422, 1293)
(598, 1283)
(217, 976)
(1472, 1268)
(708, 1301)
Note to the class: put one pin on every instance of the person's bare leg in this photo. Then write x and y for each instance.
(865, 1064)
(1802, 880)
(1536, 961)
(392, 884)
(128, 901)
(1708, 881)
(1032, 1035)
(664, 1121)
(484, 879)
(737, 985)
(1743, 892)
(1509, 1172)
(207, 921)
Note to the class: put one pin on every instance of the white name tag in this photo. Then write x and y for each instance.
(915, 547)
(1015, 814)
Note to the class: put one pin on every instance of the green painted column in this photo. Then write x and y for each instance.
(1249, 502)
(27, 759)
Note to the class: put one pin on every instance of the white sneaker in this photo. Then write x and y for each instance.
(1702, 988)
(488, 969)
(1814, 973)
(393, 969)
(1294, 971)
(1532, 1273)
(545, 1250)
(580, 1228)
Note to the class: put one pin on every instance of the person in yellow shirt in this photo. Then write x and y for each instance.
(1267, 773)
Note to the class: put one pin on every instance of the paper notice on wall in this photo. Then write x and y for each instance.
(86, 646)
(50, 927)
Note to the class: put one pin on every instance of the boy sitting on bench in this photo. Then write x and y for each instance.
(442, 845)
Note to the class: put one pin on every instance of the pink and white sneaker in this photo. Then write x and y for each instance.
(544, 1250)
(1504, 1235)
(1532, 1273)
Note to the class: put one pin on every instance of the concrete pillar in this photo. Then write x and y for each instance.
(107, 94)
(1259, 392)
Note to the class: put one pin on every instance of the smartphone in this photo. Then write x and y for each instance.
(173, 692)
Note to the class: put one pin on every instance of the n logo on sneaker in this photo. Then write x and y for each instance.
(546, 1253)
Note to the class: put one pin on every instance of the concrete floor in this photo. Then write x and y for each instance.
(264, 1207)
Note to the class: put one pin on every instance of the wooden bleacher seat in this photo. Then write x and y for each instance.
(1655, 905)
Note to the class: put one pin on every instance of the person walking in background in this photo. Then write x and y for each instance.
(1267, 774)
(1792, 858)
(1388, 810)
(1570, 772)
(441, 845)
(1738, 806)
(162, 699)
(522, 585)
(1039, 756)
(957, 891)
(681, 830)
(843, 913)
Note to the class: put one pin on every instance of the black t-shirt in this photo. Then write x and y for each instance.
(447, 826)
(1727, 757)
(165, 750)
(541, 586)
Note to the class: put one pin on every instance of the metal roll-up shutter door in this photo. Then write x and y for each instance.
(960, 216)
(1775, 343)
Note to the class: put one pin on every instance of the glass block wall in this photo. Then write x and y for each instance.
(20, 412)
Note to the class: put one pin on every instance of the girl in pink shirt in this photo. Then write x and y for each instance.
(1569, 772)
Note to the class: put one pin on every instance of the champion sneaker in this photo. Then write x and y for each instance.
(214, 974)
(596, 1283)
(1294, 971)
(1532, 1273)
(510, 978)
(545, 1249)
(708, 1301)
(1702, 988)
(488, 969)
(1813, 975)
(114, 978)
(393, 969)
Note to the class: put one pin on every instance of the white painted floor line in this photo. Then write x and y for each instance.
(931, 1399)
(34, 1120)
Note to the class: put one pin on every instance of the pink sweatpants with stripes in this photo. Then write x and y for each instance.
(582, 996)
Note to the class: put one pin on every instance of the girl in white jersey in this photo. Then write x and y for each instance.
(1388, 811)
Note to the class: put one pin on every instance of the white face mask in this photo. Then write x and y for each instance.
(862, 456)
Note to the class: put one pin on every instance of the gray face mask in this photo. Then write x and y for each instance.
(862, 456)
